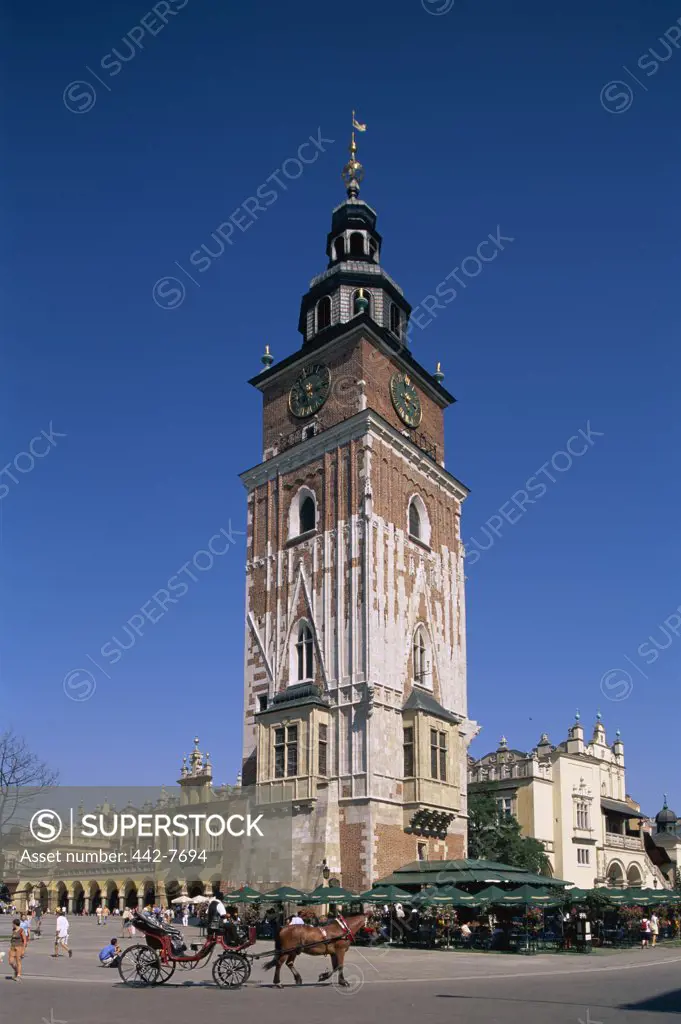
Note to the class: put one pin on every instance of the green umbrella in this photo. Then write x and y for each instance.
(284, 894)
(433, 897)
(494, 896)
(330, 894)
(244, 895)
(460, 898)
(385, 894)
(577, 895)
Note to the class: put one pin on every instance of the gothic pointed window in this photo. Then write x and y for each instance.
(323, 313)
(414, 521)
(307, 514)
(418, 523)
(420, 652)
(304, 653)
(302, 513)
(356, 244)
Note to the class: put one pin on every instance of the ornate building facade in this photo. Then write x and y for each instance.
(573, 798)
(355, 653)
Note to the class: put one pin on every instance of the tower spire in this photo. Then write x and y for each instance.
(353, 172)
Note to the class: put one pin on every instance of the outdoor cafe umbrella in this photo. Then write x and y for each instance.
(330, 894)
(385, 894)
(244, 895)
(433, 897)
(284, 894)
(492, 896)
(182, 899)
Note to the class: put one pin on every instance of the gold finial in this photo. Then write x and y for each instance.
(353, 172)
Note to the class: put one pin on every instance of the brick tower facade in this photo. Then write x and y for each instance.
(355, 655)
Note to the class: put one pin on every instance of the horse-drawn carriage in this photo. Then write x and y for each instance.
(165, 950)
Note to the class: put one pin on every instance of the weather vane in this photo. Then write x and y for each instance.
(353, 172)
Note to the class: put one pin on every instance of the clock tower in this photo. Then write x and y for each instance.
(355, 662)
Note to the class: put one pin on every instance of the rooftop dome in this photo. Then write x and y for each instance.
(665, 816)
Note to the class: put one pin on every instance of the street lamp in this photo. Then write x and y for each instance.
(326, 870)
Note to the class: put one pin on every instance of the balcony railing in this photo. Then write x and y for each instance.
(425, 443)
(623, 842)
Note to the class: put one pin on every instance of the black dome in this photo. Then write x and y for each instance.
(665, 816)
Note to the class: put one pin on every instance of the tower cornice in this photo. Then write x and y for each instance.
(361, 326)
(366, 422)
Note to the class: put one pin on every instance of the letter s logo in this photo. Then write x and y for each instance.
(46, 826)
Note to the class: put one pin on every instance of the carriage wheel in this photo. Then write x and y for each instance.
(231, 970)
(140, 965)
(165, 972)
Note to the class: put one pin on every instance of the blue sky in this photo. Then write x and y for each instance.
(490, 116)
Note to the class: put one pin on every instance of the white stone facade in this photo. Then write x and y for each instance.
(573, 798)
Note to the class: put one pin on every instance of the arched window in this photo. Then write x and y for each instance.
(414, 521)
(304, 653)
(302, 513)
(356, 244)
(323, 313)
(339, 248)
(357, 305)
(395, 319)
(420, 652)
(418, 522)
(307, 514)
(373, 248)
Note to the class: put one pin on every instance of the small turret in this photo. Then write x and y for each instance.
(665, 820)
(618, 746)
(599, 731)
(575, 740)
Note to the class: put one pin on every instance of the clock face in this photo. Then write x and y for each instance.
(310, 390)
(405, 399)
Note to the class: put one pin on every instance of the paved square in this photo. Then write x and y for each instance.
(400, 986)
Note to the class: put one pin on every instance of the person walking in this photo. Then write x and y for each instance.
(98, 912)
(17, 948)
(62, 936)
(654, 928)
(645, 932)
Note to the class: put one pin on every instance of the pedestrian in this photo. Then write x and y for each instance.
(645, 932)
(26, 925)
(185, 917)
(17, 948)
(38, 919)
(654, 928)
(98, 912)
(111, 954)
(62, 936)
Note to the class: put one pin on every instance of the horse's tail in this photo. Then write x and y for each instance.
(277, 945)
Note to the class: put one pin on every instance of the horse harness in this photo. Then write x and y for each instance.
(345, 933)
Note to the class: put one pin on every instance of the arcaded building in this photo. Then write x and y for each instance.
(355, 654)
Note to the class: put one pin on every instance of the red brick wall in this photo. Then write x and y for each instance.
(394, 847)
(349, 362)
(353, 844)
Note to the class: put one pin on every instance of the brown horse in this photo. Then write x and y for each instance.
(332, 939)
